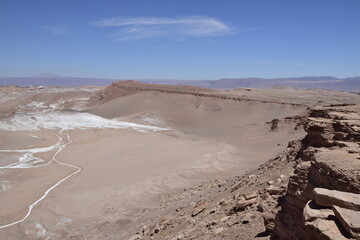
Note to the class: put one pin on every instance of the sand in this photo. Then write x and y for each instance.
(188, 140)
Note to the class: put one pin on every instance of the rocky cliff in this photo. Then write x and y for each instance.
(327, 163)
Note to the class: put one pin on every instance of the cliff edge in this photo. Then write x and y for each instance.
(323, 195)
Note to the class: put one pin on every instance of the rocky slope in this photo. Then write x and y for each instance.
(234, 208)
(309, 191)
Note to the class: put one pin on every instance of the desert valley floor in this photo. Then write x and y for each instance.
(100, 163)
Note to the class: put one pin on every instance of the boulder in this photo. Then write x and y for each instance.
(313, 211)
(328, 198)
(272, 190)
(349, 219)
(321, 229)
(249, 196)
(237, 185)
(242, 204)
(199, 207)
(269, 221)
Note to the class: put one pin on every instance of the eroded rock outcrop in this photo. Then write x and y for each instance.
(331, 215)
(328, 161)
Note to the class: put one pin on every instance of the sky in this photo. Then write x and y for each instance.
(180, 39)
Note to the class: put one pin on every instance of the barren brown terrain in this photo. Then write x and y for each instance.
(147, 161)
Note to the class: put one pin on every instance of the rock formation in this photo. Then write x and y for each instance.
(323, 196)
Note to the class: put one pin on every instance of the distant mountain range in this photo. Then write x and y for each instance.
(324, 82)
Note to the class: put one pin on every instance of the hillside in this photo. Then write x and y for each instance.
(107, 162)
(325, 82)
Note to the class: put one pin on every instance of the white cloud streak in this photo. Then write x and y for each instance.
(179, 28)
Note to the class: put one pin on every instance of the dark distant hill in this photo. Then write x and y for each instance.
(324, 82)
(48, 75)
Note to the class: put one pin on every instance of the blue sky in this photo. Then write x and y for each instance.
(169, 39)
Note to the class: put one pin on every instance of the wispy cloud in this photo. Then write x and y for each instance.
(179, 28)
(60, 30)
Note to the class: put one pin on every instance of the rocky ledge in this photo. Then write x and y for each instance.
(323, 196)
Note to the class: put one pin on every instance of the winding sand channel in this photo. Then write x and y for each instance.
(24, 163)
(30, 159)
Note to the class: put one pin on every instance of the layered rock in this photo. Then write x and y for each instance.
(349, 219)
(329, 158)
(331, 215)
(329, 198)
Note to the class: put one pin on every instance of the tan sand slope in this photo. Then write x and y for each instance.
(204, 116)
